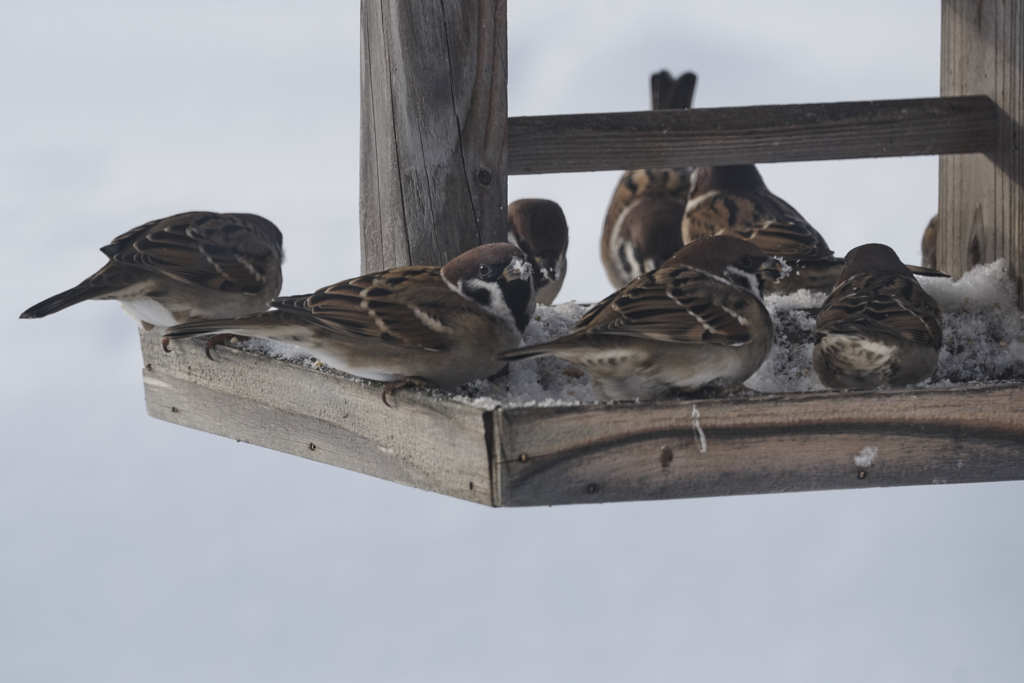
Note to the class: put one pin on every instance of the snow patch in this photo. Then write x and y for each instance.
(866, 456)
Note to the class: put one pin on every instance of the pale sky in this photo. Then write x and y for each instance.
(135, 550)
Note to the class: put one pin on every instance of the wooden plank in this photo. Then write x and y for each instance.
(424, 442)
(679, 449)
(433, 116)
(981, 197)
(740, 135)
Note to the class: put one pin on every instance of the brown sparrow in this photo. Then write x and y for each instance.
(697, 321)
(538, 227)
(184, 267)
(928, 240)
(877, 327)
(641, 226)
(734, 200)
(443, 325)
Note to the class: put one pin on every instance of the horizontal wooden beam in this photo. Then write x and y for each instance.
(741, 135)
(607, 452)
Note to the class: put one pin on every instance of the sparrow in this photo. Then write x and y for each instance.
(877, 327)
(439, 325)
(641, 225)
(538, 227)
(928, 240)
(696, 321)
(734, 200)
(184, 267)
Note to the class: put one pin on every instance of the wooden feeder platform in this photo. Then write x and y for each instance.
(437, 147)
(596, 452)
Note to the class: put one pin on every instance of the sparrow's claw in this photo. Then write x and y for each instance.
(219, 340)
(408, 383)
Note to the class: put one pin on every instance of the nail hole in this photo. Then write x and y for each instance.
(591, 488)
(173, 409)
(312, 446)
(667, 456)
(484, 176)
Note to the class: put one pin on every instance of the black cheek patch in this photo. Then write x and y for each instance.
(517, 297)
(481, 295)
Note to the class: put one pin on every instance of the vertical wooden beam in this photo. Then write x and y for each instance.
(981, 197)
(433, 121)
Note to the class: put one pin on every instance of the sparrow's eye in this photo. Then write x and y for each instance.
(486, 270)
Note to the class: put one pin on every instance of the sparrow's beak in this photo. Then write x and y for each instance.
(775, 269)
(518, 269)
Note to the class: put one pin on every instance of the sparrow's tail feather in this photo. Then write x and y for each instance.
(681, 94)
(528, 351)
(58, 302)
(249, 325)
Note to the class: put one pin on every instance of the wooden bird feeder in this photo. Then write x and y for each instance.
(437, 146)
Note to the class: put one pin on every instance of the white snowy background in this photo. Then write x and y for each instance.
(133, 550)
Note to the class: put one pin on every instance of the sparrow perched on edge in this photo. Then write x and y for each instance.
(538, 227)
(641, 226)
(439, 325)
(877, 327)
(697, 321)
(929, 258)
(184, 267)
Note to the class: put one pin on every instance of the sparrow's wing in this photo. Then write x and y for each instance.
(887, 306)
(408, 307)
(223, 252)
(680, 304)
(761, 217)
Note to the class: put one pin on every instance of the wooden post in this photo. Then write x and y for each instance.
(433, 129)
(981, 197)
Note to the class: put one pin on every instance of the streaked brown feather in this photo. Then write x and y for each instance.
(760, 217)
(669, 305)
(887, 306)
(224, 252)
(378, 306)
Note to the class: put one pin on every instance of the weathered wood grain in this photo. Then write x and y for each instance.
(679, 449)
(740, 135)
(433, 114)
(981, 196)
(423, 442)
